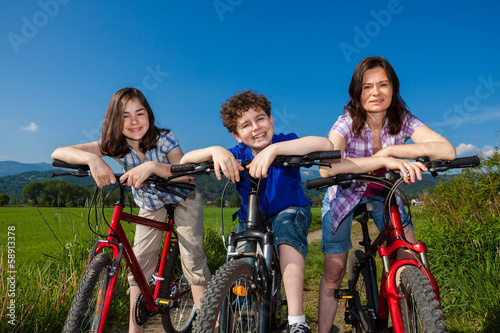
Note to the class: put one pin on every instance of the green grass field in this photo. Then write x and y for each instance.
(39, 233)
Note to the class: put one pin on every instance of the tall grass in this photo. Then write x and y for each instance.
(47, 276)
(463, 236)
(45, 284)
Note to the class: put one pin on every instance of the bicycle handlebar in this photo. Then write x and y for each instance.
(292, 160)
(159, 183)
(345, 180)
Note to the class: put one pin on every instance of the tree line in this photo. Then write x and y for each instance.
(62, 193)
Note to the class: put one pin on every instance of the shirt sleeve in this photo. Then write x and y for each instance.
(284, 137)
(343, 126)
(411, 126)
(167, 142)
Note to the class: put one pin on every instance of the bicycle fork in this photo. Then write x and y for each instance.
(389, 292)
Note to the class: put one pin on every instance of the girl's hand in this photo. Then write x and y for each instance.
(101, 172)
(136, 176)
(224, 160)
(409, 170)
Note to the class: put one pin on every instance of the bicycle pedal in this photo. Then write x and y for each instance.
(162, 301)
(343, 294)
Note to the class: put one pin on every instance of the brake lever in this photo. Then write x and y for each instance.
(79, 173)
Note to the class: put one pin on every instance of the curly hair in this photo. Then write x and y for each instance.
(113, 142)
(397, 110)
(234, 107)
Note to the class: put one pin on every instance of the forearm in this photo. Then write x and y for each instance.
(353, 165)
(302, 146)
(87, 154)
(435, 151)
(200, 155)
(74, 155)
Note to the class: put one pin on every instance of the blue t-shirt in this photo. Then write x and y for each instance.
(282, 186)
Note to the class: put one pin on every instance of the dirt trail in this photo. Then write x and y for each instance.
(154, 324)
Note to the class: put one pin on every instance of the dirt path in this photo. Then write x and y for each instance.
(154, 324)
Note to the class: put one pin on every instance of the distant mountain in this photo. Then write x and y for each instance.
(8, 168)
(309, 174)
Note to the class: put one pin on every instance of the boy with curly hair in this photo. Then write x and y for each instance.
(247, 116)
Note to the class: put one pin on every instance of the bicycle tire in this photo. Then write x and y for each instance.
(85, 311)
(420, 311)
(223, 308)
(359, 279)
(180, 314)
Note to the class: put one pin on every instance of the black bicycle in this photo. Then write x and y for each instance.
(246, 294)
(412, 302)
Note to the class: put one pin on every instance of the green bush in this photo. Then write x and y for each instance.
(463, 237)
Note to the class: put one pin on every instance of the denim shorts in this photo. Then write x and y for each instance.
(340, 242)
(290, 226)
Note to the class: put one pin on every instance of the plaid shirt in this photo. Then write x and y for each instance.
(342, 201)
(147, 197)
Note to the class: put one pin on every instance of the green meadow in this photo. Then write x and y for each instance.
(51, 248)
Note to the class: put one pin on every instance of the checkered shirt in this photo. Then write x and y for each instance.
(147, 197)
(342, 201)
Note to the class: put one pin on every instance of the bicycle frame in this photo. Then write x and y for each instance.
(117, 241)
(387, 301)
(415, 270)
(255, 223)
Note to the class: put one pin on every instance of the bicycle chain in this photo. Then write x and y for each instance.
(141, 313)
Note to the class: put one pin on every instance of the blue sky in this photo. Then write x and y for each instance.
(62, 60)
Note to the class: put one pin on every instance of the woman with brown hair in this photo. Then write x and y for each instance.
(371, 135)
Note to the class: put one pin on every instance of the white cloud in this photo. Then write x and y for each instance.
(467, 149)
(32, 127)
(484, 115)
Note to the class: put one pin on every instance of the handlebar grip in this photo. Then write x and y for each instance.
(176, 168)
(184, 186)
(464, 162)
(323, 155)
(320, 182)
(62, 164)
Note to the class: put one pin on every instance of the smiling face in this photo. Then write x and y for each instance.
(135, 122)
(255, 129)
(376, 94)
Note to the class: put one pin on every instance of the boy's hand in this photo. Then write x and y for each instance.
(101, 172)
(224, 160)
(261, 163)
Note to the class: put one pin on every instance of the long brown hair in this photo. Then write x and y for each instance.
(113, 142)
(397, 110)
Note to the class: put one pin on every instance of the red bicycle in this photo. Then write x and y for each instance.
(168, 293)
(412, 301)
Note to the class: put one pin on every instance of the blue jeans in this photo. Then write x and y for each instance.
(340, 242)
(290, 226)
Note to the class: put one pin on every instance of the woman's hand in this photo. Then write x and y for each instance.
(409, 170)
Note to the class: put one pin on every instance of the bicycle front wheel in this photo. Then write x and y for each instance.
(359, 279)
(180, 313)
(420, 311)
(230, 303)
(88, 304)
